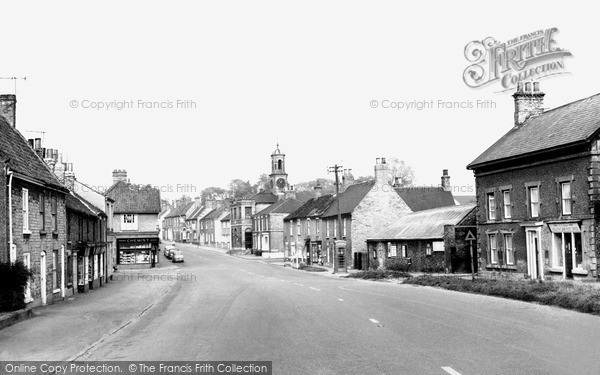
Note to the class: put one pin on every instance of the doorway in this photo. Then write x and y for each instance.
(43, 277)
(533, 253)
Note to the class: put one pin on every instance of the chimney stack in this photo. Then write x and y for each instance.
(290, 193)
(318, 190)
(529, 101)
(446, 181)
(69, 176)
(8, 107)
(119, 175)
(381, 172)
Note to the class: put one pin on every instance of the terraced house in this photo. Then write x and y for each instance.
(33, 211)
(538, 191)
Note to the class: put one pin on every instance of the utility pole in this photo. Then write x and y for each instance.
(15, 80)
(336, 169)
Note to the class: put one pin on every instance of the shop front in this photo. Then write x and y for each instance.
(137, 252)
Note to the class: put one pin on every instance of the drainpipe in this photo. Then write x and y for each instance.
(62, 272)
(9, 173)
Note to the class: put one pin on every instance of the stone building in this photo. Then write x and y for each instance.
(33, 211)
(538, 190)
(430, 240)
(268, 227)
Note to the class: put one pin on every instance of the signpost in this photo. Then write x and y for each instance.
(470, 237)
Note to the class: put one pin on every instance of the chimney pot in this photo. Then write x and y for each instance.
(37, 143)
(8, 107)
(446, 181)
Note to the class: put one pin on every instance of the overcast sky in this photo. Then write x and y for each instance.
(303, 74)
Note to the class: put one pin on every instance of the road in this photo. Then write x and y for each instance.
(227, 308)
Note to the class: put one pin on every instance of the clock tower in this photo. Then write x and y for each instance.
(278, 177)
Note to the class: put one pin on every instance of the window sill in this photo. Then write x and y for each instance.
(498, 267)
(556, 269)
(43, 233)
(579, 271)
(26, 232)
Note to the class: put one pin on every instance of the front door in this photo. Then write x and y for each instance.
(533, 253)
(568, 255)
(43, 277)
(248, 239)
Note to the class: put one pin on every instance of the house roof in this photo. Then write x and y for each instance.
(284, 206)
(22, 159)
(227, 218)
(427, 224)
(465, 199)
(214, 214)
(569, 124)
(350, 198)
(180, 210)
(314, 207)
(264, 197)
(419, 198)
(77, 203)
(196, 212)
(134, 199)
(305, 195)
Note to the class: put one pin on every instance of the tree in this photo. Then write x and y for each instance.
(212, 192)
(401, 174)
(264, 182)
(241, 189)
(327, 185)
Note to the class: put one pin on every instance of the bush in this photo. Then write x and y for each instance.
(397, 264)
(13, 281)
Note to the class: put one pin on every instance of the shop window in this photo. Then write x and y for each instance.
(438, 246)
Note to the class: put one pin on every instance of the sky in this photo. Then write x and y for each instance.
(319, 78)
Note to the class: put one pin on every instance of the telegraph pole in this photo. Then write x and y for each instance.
(336, 169)
(15, 80)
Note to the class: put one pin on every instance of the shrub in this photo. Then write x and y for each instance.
(397, 264)
(13, 281)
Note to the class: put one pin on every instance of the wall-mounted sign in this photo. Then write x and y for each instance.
(565, 228)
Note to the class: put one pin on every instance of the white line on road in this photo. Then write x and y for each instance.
(318, 290)
(374, 321)
(450, 371)
(341, 299)
(298, 284)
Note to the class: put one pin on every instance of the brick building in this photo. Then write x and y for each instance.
(33, 211)
(135, 222)
(241, 212)
(538, 189)
(211, 229)
(268, 226)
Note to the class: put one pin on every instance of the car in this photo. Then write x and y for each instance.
(177, 255)
(168, 249)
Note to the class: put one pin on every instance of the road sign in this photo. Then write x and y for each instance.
(470, 236)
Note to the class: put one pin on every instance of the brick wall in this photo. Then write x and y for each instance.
(4, 248)
(36, 242)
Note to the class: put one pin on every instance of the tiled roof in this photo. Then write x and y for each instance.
(75, 204)
(566, 125)
(284, 206)
(419, 198)
(428, 224)
(264, 197)
(180, 210)
(314, 207)
(22, 159)
(138, 199)
(350, 198)
(227, 218)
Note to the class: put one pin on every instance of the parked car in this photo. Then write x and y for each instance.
(177, 255)
(168, 249)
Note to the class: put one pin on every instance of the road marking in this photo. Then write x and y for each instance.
(450, 371)
(298, 284)
(374, 321)
(318, 290)
(340, 299)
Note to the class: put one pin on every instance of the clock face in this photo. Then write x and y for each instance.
(280, 183)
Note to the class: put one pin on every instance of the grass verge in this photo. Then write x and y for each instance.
(583, 298)
(304, 267)
(378, 275)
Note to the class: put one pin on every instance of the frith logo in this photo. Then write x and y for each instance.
(530, 56)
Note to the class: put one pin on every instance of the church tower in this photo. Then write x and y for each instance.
(278, 177)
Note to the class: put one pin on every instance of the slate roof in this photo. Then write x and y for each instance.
(314, 207)
(423, 225)
(264, 197)
(284, 206)
(569, 124)
(180, 210)
(465, 199)
(214, 214)
(419, 198)
(22, 159)
(76, 204)
(134, 199)
(350, 198)
(227, 218)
